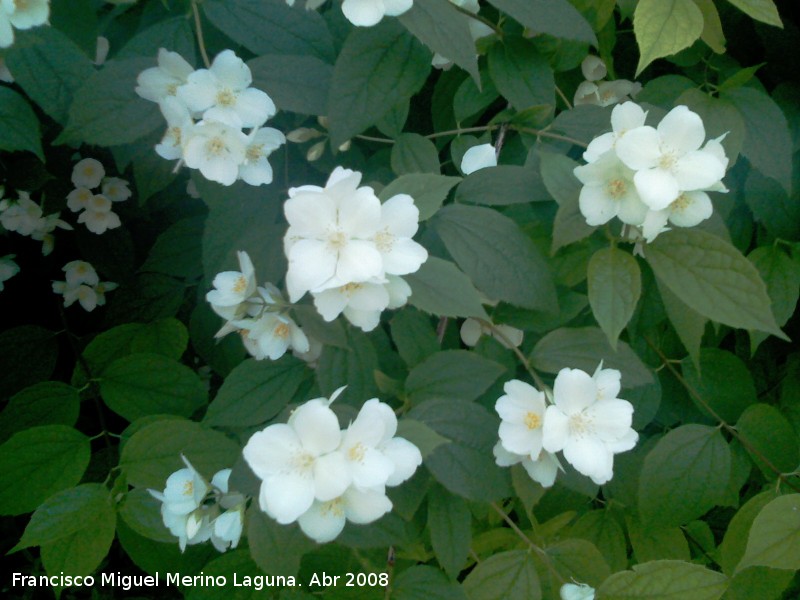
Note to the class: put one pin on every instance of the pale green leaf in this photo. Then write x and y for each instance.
(440, 288)
(712, 34)
(761, 10)
(684, 475)
(664, 580)
(522, 75)
(449, 523)
(602, 529)
(774, 539)
(713, 278)
(770, 439)
(656, 543)
(664, 28)
(615, 284)
(413, 153)
(733, 545)
(509, 574)
(723, 381)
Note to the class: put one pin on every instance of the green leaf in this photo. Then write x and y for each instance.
(174, 34)
(602, 529)
(440, 288)
(151, 174)
(276, 549)
(377, 68)
(759, 582)
(761, 10)
(553, 17)
(19, 124)
(142, 512)
(235, 564)
(733, 545)
(584, 348)
(419, 434)
(501, 185)
(51, 71)
(466, 465)
(295, 83)
(769, 435)
(522, 75)
(449, 524)
(255, 391)
(712, 34)
(414, 336)
(422, 582)
(656, 543)
(149, 384)
(428, 191)
(664, 580)
(106, 111)
(689, 324)
(353, 366)
(772, 206)
(272, 27)
(767, 142)
(167, 337)
(413, 153)
(684, 475)
(664, 28)
(615, 284)
(578, 560)
(81, 552)
(153, 452)
(722, 381)
(454, 374)
(37, 462)
(469, 100)
(498, 257)
(107, 347)
(45, 403)
(782, 276)
(559, 179)
(177, 251)
(739, 78)
(713, 278)
(509, 574)
(67, 513)
(438, 25)
(774, 539)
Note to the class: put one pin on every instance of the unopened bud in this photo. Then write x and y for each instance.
(315, 152)
(345, 147)
(303, 134)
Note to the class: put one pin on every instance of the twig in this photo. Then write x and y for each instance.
(199, 28)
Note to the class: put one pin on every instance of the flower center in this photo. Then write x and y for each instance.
(579, 424)
(172, 89)
(350, 288)
(357, 452)
(240, 285)
(337, 240)
(21, 4)
(680, 203)
(334, 507)
(384, 240)
(215, 146)
(532, 421)
(667, 160)
(226, 97)
(254, 152)
(617, 188)
(303, 462)
(281, 331)
(188, 488)
(175, 132)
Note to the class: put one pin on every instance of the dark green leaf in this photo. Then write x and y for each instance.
(45, 403)
(167, 337)
(449, 523)
(174, 34)
(509, 574)
(276, 549)
(414, 336)
(177, 251)
(428, 191)
(457, 375)
(772, 206)
(554, 17)
(440, 288)
(664, 580)
(353, 366)
(19, 124)
(295, 83)
(615, 284)
(413, 153)
(422, 582)
(769, 438)
(500, 185)
(522, 75)
(722, 381)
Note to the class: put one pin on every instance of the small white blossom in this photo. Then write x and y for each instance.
(78, 199)
(88, 173)
(271, 335)
(80, 271)
(366, 13)
(216, 149)
(324, 521)
(256, 170)
(576, 591)
(179, 128)
(116, 189)
(521, 412)
(21, 14)
(608, 191)
(624, 117)
(8, 268)
(478, 157)
(362, 303)
(542, 469)
(232, 288)
(593, 68)
(23, 215)
(163, 81)
(98, 216)
(399, 223)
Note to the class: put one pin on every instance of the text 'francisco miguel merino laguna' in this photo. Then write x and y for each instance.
(127, 582)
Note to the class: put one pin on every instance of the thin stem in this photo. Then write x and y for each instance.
(440, 329)
(370, 138)
(729, 428)
(547, 134)
(199, 28)
(501, 138)
(461, 131)
(563, 97)
(520, 356)
(480, 19)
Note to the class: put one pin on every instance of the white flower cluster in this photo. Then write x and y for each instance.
(649, 176)
(26, 218)
(586, 421)
(257, 313)
(602, 93)
(348, 250)
(8, 268)
(320, 476)
(88, 175)
(206, 111)
(21, 14)
(195, 511)
(84, 285)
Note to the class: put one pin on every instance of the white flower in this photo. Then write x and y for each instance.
(88, 173)
(256, 170)
(329, 242)
(84, 294)
(179, 128)
(362, 303)
(521, 412)
(324, 521)
(624, 117)
(399, 223)
(472, 330)
(216, 149)
(29, 13)
(78, 199)
(98, 216)
(5, 74)
(366, 13)
(80, 271)
(232, 288)
(588, 422)
(478, 157)
(116, 189)
(6, 31)
(605, 93)
(223, 93)
(44, 231)
(668, 159)
(271, 335)
(100, 291)
(608, 191)
(542, 469)
(297, 462)
(576, 591)
(593, 68)
(227, 527)
(8, 268)
(101, 50)
(163, 81)
(23, 216)
(687, 210)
